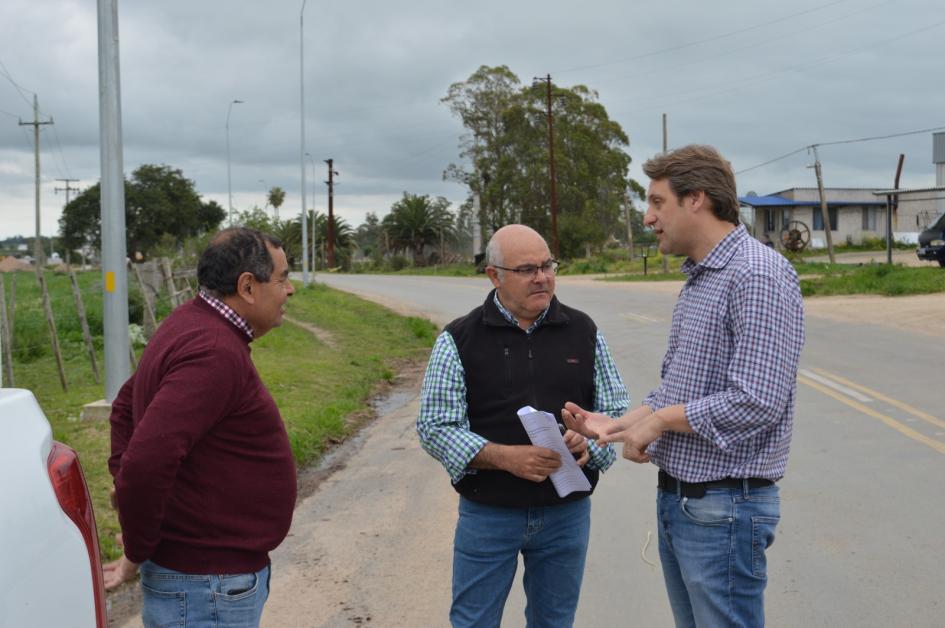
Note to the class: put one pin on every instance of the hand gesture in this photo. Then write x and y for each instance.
(577, 445)
(587, 424)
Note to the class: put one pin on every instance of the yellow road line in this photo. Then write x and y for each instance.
(903, 429)
(925, 416)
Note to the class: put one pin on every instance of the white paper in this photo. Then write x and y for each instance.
(543, 431)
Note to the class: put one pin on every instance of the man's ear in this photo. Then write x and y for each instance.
(699, 200)
(246, 288)
(493, 275)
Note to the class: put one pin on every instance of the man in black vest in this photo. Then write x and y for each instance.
(521, 347)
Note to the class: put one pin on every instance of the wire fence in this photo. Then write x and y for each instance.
(27, 337)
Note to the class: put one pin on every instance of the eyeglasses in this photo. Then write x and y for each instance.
(531, 270)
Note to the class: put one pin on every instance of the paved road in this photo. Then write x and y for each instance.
(860, 541)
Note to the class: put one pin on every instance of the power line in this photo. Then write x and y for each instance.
(703, 59)
(702, 94)
(6, 74)
(853, 141)
(703, 41)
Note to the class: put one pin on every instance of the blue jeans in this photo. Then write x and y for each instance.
(172, 598)
(713, 554)
(553, 543)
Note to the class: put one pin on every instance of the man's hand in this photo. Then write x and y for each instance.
(118, 571)
(525, 461)
(577, 444)
(637, 432)
(587, 424)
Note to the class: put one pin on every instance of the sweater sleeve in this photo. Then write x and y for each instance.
(122, 425)
(191, 398)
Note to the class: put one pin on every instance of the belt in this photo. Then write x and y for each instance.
(697, 489)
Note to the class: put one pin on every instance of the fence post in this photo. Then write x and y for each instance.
(47, 306)
(148, 306)
(169, 281)
(83, 319)
(5, 336)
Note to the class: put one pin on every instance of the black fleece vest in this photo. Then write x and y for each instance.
(505, 369)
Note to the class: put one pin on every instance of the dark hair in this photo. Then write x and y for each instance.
(231, 253)
(698, 168)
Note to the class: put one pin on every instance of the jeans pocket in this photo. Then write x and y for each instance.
(237, 586)
(762, 536)
(162, 602)
(714, 509)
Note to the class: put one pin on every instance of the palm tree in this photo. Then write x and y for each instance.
(416, 222)
(344, 237)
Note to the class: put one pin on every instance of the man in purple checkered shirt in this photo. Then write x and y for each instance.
(719, 425)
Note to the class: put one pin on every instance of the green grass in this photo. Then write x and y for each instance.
(317, 387)
(837, 279)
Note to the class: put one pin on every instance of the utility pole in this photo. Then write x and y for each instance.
(38, 252)
(823, 205)
(551, 169)
(114, 257)
(627, 209)
(330, 240)
(67, 189)
(665, 150)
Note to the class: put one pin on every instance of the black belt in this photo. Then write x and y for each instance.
(697, 489)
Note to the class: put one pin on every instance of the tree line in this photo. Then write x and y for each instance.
(503, 164)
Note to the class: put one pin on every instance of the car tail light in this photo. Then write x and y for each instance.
(73, 495)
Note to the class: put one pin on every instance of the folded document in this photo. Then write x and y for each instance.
(543, 431)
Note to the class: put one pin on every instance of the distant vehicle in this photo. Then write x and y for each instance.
(932, 242)
(50, 572)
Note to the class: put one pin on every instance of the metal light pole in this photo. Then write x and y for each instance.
(114, 268)
(302, 142)
(265, 193)
(229, 188)
(314, 222)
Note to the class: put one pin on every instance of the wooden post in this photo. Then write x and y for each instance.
(12, 320)
(665, 150)
(5, 336)
(169, 281)
(83, 319)
(148, 306)
(47, 306)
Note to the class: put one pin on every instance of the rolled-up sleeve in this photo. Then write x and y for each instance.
(443, 421)
(610, 398)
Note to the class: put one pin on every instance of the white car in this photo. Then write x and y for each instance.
(50, 570)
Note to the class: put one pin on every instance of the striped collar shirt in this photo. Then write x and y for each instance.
(734, 345)
(227, 312)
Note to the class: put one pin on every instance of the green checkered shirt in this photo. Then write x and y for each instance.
(443, 423)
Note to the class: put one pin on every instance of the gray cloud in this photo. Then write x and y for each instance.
(757, 78)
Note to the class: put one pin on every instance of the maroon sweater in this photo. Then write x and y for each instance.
(204, 474)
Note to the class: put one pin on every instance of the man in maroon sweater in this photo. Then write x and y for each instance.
(204, 475)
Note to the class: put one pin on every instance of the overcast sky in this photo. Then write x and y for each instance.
(756, 78)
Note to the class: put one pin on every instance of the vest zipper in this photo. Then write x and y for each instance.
(508, 365)
(531, 374)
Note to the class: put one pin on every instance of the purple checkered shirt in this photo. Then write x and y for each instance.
(737, 333)
(228, 313)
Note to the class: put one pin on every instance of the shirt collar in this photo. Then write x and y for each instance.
(721, 254)
(507, 315)
(228, 313)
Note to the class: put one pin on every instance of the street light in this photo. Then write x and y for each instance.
(229, 187)
(265, 194)
(302, 142)
(314, 247)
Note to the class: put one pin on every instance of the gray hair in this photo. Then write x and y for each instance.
(494, 255)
